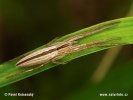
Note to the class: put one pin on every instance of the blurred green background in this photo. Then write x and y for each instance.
(28, 24)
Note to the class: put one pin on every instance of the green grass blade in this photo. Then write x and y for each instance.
(124, 30)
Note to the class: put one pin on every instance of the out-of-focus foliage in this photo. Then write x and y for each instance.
(117, 81)
(28, 24)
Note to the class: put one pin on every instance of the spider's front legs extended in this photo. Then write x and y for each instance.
(77, 48)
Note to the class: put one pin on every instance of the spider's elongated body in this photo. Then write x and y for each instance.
(60, 49)
(41, 56)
